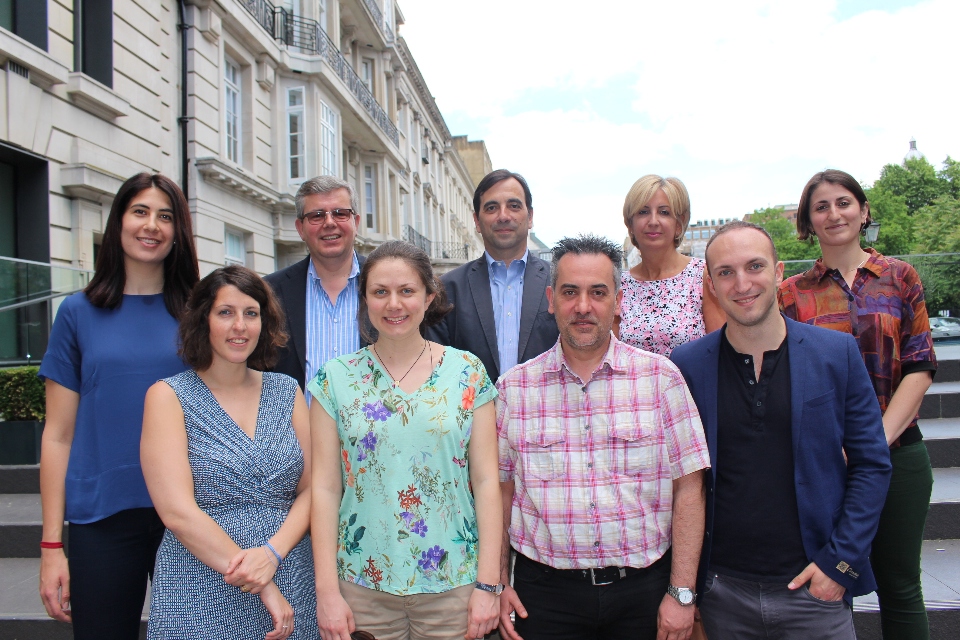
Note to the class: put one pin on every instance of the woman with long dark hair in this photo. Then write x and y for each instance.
(109, 343)
(226, 456)
(879, 300)
(407, 515)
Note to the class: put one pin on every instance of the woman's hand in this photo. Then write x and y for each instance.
(251, 568)
(334, 617)
(280, 611)
(55, 584)
(483, 614)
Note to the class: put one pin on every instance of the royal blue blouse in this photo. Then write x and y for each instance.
(110, 357)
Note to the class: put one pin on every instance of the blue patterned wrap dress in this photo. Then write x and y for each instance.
(247, 486)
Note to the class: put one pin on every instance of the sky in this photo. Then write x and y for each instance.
(743, 100)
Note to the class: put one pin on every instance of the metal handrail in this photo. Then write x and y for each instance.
(308, 36)
(417, 239)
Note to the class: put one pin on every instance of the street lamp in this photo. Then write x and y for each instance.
(872, 232)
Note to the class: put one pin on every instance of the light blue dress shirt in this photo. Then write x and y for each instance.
(506, 289)
(332, 329)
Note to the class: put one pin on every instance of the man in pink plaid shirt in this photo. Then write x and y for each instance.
(601, 452)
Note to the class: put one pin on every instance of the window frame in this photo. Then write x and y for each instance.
(233, 88)
(329, 140)
(231, 259)
(370, 195)
(298, 112)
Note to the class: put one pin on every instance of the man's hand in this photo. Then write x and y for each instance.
(674, 622)
(821, 586)
(510, 602)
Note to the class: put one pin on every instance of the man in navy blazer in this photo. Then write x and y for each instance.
(500, 303)
(327, 221)
(800, 465)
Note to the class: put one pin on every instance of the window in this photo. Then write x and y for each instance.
(688, 235)
(388, 16)
(234, 249)
(295, 134)
(402, 118)
(231, 82)
(322, 13)
(328, 140)
(366, 73)
(369, 194)
(93, 39)
(27, 19)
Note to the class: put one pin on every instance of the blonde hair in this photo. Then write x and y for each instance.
(643, 191)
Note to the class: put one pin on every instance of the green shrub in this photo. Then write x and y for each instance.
(22, 394)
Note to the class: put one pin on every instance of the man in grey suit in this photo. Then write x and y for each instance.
(500, 299)
(319, 293)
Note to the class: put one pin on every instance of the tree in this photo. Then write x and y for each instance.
(784, 235)
(938, 226)
(896, 225)
(950, 177)
(915, 180)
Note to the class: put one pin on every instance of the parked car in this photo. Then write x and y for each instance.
(945, 328)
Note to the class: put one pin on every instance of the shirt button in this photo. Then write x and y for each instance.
(758, 404)
(746, 361)
(751, 382)
(587, 427)
(336, 320)
(593, 505)
(596, 543)
(589, 465)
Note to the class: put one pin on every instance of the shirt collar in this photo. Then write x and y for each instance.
(615, 357)
(491, 261)
(354, 269)
(875, 264)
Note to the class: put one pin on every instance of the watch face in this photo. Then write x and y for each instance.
(686, 596)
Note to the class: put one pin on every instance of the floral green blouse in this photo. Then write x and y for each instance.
(407, 518)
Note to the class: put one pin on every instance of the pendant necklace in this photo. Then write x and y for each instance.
(396, 383)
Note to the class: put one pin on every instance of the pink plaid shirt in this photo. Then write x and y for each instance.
(594, 464)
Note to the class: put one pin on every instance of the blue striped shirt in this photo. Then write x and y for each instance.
(332, 328)
(506, 289)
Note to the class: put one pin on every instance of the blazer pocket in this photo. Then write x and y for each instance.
(824, 398)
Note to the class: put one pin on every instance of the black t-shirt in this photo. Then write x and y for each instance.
(756, 530)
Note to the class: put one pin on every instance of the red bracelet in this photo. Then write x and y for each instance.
(51, 545)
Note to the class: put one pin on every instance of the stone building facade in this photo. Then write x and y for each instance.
(238, 100)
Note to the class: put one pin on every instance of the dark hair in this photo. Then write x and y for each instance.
(588, 244)
(833, 176)
(420, 262)
(493, 178)
(195, 346)
(180, 272)
(733, 225)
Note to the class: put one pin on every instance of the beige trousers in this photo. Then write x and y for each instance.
(424, 616)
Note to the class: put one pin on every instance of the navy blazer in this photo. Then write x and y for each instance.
(290, 287)
(834, 410)
(471, 325)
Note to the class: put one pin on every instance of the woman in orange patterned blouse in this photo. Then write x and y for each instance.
(879, 300)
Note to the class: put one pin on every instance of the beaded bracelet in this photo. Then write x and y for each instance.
(270, 546)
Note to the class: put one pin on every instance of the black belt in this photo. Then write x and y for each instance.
(596, 577)
(911, 435)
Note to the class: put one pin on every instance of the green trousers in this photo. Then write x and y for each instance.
(896, 548)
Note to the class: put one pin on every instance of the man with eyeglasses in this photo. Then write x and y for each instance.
(319, 294)
(500, 303)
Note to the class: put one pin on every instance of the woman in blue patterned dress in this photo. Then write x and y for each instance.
(407, 516)
(226, 456)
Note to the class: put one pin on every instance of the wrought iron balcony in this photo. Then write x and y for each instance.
(418, 240)
(309, 37)
(451, 251)
(375, 12)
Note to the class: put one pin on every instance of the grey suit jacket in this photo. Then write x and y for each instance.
(290, 287)
(471, 326)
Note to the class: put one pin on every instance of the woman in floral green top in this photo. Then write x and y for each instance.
(406, 498)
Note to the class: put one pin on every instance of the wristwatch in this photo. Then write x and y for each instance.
(495, 589)
(683, 595)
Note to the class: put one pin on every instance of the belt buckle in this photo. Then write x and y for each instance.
(593, 577)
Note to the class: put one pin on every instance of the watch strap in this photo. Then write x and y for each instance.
(495, 589)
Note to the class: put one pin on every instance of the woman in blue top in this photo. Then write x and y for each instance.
(108, 345)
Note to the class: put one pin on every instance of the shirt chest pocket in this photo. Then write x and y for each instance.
(632, 443)
(544, 456)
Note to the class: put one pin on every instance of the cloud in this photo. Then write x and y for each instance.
(743, 100)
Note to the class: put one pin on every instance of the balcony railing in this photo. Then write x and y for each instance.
(418, 240)
(375, 12)
(309, 37)
(451, 251)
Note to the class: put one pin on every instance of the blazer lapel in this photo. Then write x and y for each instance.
(479, 280)
(711, 363)
(800, 368)
(295, 297)
(534, 284)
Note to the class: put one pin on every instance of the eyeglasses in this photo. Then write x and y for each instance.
(319, 216)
